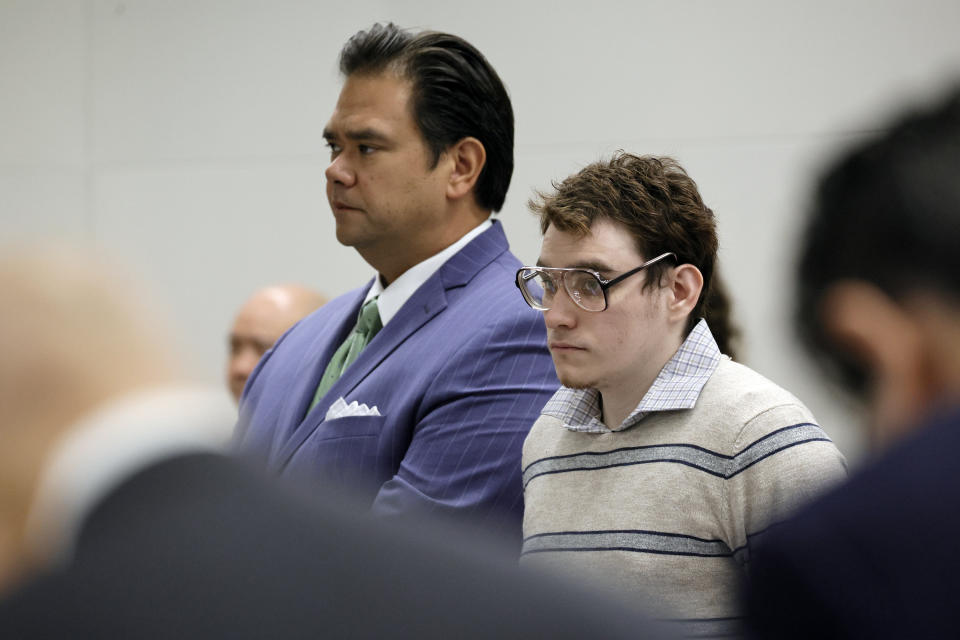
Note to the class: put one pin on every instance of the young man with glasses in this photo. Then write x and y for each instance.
(660, 461)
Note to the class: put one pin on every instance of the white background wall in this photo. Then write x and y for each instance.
(184, 136)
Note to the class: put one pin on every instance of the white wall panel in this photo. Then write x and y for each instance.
(42, 204)
(185, 135)
(43, 76)
(205, 237)
(43, 158)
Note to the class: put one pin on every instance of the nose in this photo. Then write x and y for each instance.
(244, 362)
(340, 172)
(562, 312)
(239, 368)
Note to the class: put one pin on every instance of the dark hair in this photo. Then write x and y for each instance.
(456, 94)
(653, 198)
(718, 310)
(888, 213)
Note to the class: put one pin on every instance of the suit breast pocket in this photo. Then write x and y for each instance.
(349, 427)
(345, 452)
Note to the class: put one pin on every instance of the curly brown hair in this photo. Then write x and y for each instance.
(653, 197)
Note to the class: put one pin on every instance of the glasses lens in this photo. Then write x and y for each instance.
(585, 290)
(538, 288)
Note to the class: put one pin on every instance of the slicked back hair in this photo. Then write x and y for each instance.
(887, 213)
(456, 94)
(653, 197)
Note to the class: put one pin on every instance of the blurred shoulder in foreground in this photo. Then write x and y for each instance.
(879, 307)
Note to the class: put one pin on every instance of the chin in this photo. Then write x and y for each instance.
(575, 379)
(344, 236)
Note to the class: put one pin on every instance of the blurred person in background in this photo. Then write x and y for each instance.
(879, 308)
(262, 319)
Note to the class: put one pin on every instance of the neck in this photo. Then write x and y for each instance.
(391, 263)
(615, 409)
(19, 481)
(620, 397)
(938, 322)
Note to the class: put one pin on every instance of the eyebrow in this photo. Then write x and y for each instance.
(258, 341)
(359, 135)
(593, 265)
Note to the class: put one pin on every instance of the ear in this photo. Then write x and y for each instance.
(685, 285)
(863, 320)
(468, 157)
(887, 339)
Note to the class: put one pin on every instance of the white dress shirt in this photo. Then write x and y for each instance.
(399, 291)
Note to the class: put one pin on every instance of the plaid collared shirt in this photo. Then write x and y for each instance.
(677, 386)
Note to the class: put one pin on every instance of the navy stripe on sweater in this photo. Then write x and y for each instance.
(711, 462)
(674, 544)
(708, 627)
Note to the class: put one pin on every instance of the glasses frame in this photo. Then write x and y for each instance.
(563, 271)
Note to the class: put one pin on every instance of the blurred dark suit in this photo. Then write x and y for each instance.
(874, 559)
(198, 546)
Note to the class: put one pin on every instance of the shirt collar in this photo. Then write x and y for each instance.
(677, 386)
(399, 291)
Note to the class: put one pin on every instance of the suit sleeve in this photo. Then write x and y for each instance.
(464, 454)
(789, 591)
(254, 446)
(245, 443)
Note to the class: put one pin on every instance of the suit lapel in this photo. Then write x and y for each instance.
(423, 306)
(484, 249)
(310, 370)
(425, 303)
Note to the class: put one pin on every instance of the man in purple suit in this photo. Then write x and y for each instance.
(417, 389)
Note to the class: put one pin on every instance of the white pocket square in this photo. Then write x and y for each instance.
(340, 409)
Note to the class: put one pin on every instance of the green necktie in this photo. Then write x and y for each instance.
(367, 326)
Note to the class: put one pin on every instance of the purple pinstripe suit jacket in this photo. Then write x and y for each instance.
(459, 375)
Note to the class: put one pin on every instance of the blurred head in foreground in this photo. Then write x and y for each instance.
(71, 338)
(879, 276)
(262, 319)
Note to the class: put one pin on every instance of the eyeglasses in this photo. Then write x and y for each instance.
(585, 287)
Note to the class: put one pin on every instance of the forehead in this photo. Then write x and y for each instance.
(607, 243)
(372, 101)
(263, 316)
